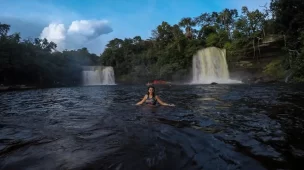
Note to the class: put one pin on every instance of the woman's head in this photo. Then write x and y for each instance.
(151, 90)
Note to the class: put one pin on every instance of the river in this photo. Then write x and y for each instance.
(100, 127)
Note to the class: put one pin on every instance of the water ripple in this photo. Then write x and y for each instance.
(99, 127)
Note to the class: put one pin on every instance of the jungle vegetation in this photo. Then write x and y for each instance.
(168, 53)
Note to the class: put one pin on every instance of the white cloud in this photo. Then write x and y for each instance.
(78, 34)
(90, 28)
(53, 22)
(55, 33)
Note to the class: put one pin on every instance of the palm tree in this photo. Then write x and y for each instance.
(187, 23)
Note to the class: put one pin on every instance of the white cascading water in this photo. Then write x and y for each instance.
(108, 75)
(209, 65)
(98, 75)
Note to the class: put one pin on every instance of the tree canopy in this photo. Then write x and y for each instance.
(36, 61)
(168, 53)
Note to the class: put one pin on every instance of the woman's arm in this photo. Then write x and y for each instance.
(143, 100)
(163, 103)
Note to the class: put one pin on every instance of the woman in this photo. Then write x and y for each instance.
(150, 98)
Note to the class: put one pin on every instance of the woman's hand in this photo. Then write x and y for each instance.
(163, 103)
(143, 100)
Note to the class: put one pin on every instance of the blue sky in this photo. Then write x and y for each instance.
(95, 22)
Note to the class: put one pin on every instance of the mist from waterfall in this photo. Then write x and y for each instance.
(98, 75)
(209, 65)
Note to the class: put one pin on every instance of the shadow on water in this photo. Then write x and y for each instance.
(99, 127)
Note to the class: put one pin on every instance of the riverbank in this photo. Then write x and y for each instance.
(4, 88)
(16, 87)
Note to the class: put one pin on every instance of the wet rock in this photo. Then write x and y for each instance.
(297, 152)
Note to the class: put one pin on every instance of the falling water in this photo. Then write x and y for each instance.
(210, 65)
(108, 75)
(289, 75)
(98, 75)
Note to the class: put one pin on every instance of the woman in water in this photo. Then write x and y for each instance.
(150, 98)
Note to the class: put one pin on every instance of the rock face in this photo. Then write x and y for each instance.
(250, 66)
(252, 76)
(264, 80)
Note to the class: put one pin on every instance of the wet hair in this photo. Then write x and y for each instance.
(153, 94)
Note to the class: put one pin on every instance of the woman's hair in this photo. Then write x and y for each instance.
(153, 94)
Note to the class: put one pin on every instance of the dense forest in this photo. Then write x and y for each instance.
(37, 63)
(168, 53)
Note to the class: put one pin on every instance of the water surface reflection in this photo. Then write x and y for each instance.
(211, 127)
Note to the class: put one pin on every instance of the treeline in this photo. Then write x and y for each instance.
(36, 62)
(168, 53)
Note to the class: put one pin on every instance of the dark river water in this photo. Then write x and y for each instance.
(250, 127)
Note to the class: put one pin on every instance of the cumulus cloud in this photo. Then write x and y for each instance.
(78, 34)
(90, 28)
(55, 33)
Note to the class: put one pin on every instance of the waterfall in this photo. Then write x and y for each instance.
(288, 76)
(210, 65)
(108, 75)
(98, 75)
